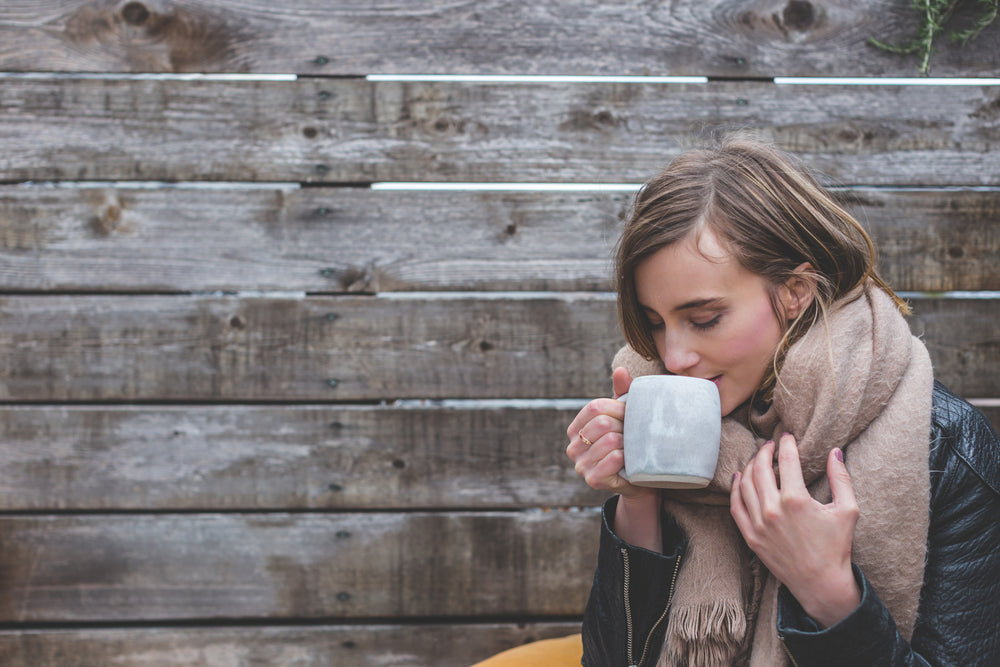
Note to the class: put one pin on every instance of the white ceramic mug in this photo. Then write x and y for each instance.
(672, 429)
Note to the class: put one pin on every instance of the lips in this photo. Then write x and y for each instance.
(717, 379)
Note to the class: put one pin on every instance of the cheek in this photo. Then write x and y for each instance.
(758, 337)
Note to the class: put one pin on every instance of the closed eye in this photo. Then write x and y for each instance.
(703, 326)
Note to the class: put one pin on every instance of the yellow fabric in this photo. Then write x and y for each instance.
(562, 652)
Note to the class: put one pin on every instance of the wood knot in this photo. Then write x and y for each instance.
(180, 39)
(112, 215)
(108, 221)
(135, 13)
(349, 278)
(585, 120)
(798, 15)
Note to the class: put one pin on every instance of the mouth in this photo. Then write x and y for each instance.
(717, 379)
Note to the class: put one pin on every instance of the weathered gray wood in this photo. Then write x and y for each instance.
(457, 645)
(318, 348)
(963, 338)
(932, 240)
(296, 566)
(724, 38)
(289, 458)
(992, 413)
(357, 131)
(85, 348)
(236, 457)
(111, 239)
(314, 239)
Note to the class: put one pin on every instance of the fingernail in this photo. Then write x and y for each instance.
(839, 454)
(769, 442)
(785, 433)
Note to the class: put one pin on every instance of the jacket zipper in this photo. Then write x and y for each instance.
(628, 612)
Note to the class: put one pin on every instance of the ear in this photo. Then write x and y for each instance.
(798, 291)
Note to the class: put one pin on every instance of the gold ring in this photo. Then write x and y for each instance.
(585, 440)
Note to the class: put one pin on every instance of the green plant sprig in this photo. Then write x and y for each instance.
(935, 14)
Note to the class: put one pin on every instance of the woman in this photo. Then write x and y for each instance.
(868, 543)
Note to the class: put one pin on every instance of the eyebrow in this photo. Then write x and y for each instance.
(690, 305)
(699, 303)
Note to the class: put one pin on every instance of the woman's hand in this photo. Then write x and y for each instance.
(805, 544)
(595, 441)
(595, 446)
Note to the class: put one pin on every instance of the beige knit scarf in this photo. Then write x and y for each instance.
(859, 381)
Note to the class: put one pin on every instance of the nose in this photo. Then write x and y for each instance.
(678, 355)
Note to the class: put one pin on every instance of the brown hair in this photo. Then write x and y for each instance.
(768, 211)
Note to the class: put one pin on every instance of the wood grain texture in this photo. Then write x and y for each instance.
(753, 38)
(355, 131)
(992, 412)
(932, 240)
(456, 645)
(296, 566)
(313, 239)
(260, 458)
(318, 348)
(114, 239)
(282, 458)
(86, 348)
(961, 346)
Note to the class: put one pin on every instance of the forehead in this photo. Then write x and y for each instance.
(695, 268)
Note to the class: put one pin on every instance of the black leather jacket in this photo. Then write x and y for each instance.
(958, 620)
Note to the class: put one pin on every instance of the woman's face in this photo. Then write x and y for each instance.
(710, 317)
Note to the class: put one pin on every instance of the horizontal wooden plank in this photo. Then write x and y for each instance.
(114, 239)
(320, 566)
(187, 348)
(289, 458)
(723, 38)
(351, 131)
(318, 348)
(423, 645)
(236, 457)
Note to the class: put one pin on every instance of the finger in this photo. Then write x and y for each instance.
(601, 464)
(748, 492)
(590, 456)
(582, 443)
(840, 480)
(600, 426)
(789, 466)
(621, 380)
(609, 467)
(736, 507)
(575, 449)
(593, 410)
(763, 476)
(585, 414)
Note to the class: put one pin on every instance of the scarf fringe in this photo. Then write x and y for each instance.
(705, 635)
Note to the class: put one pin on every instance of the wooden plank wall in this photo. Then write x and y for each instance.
(257, 412)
